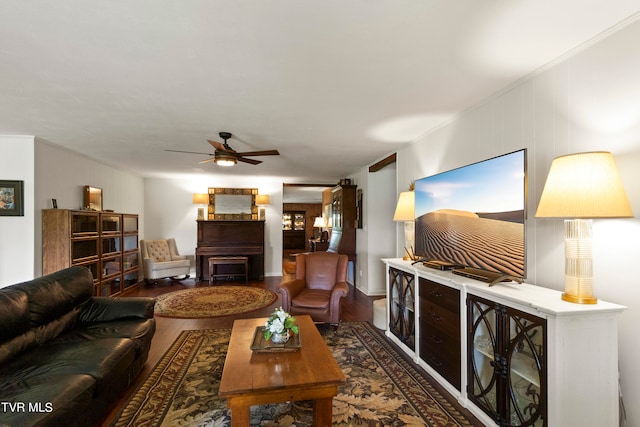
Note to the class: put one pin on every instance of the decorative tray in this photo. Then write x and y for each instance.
(260, 345)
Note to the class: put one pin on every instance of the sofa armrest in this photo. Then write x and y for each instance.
(104, 309)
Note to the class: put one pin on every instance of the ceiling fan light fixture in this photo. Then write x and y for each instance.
(224, 159)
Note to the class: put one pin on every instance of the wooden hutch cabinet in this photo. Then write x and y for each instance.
(512, 354)
(104, 242)
(293, 230)
(343, 219)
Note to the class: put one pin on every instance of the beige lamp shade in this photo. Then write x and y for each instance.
(318, 222)
(581, 187)
(584, 185)
(262, 199)
(405, 209)
(200, 199)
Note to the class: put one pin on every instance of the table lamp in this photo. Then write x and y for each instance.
(405, 211)
(318, 223)
(581, 187)
(262, 200)
(200, 199)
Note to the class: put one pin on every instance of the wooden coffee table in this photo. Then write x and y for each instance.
(258, 378)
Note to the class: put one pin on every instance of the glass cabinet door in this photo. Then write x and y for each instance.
(298, 221)
(482, 345)
(110, 223)
(507, 363)
(84, 224)
(402, 306)
(526, 381)
(287, 221)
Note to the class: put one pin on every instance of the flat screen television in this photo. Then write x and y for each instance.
(474, 216)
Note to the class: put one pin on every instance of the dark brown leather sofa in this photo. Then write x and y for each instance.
(319, 286)
(66, 356)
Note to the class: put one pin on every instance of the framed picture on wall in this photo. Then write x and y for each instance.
(11, 198)
(92, 198)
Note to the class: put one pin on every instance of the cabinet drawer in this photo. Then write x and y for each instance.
(449, 368)
(441, 295)
(440, 318)
(439, 343)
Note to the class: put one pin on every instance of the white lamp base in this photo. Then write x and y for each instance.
(409, 238)
(578, 264)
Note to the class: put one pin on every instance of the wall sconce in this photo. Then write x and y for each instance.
(580, 187)
(405, 211)
(262, 200)
(200, 199)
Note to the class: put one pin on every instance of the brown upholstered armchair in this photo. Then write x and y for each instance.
(320, 284)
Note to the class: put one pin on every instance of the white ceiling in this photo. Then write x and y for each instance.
(333, 85)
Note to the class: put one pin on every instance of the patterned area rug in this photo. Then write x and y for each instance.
(382, 389)
(213, 301)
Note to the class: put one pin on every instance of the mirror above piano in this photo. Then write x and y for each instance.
(232, 204)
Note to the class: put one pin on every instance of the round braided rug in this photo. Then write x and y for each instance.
(213, 301)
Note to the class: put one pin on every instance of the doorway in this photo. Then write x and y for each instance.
(301, 205)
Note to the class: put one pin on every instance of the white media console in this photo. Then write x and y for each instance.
(510, 353)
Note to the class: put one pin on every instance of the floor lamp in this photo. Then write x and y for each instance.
(580, 187)
(405, 212)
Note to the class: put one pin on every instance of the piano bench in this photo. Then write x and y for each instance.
(228, 260)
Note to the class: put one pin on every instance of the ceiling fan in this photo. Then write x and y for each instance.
(224, 155)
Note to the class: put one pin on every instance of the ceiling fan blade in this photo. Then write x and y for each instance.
(250, 161)
(189, 152)
(207, 160)
(217, 145)
(260, 153)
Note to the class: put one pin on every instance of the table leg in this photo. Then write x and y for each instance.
(322, 412)
(240, 416)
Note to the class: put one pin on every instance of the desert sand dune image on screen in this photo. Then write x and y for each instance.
(467, 238)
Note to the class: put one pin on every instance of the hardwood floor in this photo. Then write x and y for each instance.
(355, 307)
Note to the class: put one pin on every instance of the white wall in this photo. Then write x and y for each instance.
(170, 212)
(376, 239)
(589, 101)
(61, 174)
(17, 232)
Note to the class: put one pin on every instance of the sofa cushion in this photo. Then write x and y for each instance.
(103, 309)
(97, 358)
(139, 331)
(50, 400)
(312, 298)
(52, 296)
(133, 329)
(14, 312)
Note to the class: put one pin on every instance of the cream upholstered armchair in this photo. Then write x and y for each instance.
(319, 286)
(160, 259)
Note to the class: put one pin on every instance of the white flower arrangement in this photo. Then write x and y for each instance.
(279, 322)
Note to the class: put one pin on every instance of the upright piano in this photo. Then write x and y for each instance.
(230, 238)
